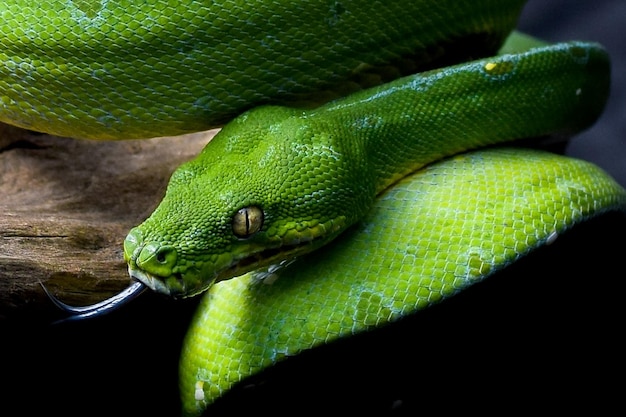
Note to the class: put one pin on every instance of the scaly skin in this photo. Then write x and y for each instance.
(314, 173)
(434, 234)
(121, 69)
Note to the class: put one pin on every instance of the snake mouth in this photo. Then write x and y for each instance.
(259, 260)
(270, 257)
(199, 277)
(263, 259)
(178, 287)
(158, 284)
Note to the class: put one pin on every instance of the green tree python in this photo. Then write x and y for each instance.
(362, 175)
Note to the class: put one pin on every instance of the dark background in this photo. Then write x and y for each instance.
(603, 21)
(544, 335)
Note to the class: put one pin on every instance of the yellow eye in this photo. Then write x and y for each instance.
(247, 221)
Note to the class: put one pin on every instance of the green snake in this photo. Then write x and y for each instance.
(361, 175)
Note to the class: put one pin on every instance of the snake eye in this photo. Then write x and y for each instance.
(247, 221)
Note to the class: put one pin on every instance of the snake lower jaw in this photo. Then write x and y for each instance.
(172, 286)
(189, 285)
(269, 258)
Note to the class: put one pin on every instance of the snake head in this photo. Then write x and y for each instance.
(267, 188)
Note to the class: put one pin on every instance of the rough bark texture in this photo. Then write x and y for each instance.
(66, 206)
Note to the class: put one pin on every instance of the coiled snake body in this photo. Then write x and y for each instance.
(407, 164)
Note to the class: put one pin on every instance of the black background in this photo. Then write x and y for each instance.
(545, 335)
(603, 22)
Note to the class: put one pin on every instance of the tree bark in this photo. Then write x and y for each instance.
(66, 206)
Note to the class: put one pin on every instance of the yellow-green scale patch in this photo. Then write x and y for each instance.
(424, 241)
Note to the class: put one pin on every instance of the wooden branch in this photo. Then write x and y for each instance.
(66, 206)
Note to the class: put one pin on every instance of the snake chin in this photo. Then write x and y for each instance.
(155, 283)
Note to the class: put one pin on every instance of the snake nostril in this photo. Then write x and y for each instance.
(157, 259)
(160, 256)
